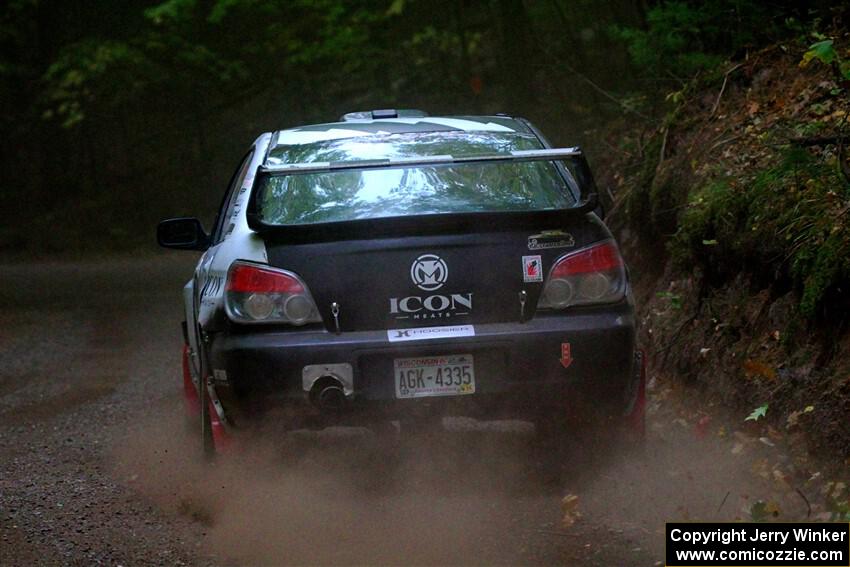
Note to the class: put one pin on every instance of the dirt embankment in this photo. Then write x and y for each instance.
(733, 213)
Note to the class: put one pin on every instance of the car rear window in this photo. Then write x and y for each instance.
(420, 190)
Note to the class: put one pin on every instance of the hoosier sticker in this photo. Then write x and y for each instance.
(424, 333)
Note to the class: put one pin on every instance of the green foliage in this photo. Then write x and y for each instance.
(672, 40)
(75, 78)
(839, 511)
(825, 52)
(396, 8)
(682, 38)
(790, 218)
(757, 413)
(640, 206)
(714, 213)
(758, 511)
(675, 299)
(16, 28)
(762, 511)
(172, 11)
(184, 49)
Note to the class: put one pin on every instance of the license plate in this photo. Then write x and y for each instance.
(434, 376)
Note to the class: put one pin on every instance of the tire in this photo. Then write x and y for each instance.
(555, 447)
(567, 449)
(634, 425)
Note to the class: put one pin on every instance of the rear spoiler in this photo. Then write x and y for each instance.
(419, 161)
(588, 201)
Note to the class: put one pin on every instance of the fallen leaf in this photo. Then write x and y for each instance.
(569, 506)
(744, 438)
(702, 426)
(772, 509)
(781, 479)
(793, 419)
(761, 468)
(758, 369)
(758, 511)
(794, 416)
(757, 413)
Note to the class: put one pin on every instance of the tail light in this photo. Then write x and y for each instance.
(259, 294)
(593, 275)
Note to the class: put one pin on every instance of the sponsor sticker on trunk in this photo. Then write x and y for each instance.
(551, 239)
(532, 269)
(425, 333)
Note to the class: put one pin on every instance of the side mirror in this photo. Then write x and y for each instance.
(185, 233)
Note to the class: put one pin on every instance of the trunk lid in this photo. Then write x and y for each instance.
(446, 278)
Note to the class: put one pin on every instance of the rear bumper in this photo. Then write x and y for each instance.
(519, 369)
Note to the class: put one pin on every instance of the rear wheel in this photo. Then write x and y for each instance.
(556, 447)
(570, 448)
(196, 409)
(634, 424)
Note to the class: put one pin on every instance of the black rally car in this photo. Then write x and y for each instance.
(400, 266)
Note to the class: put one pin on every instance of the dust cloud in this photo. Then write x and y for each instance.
(470, 494)
(691, 468)
(345, 495)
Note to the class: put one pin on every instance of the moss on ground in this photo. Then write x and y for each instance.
(789, 218)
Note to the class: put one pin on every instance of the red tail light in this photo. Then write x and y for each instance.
(601, 257)
(259, 294)
(247, 278)
(590, 276)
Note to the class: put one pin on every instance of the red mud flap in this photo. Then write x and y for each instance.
(222, 441)
(192, 407)
(635, 421)
(191, 403)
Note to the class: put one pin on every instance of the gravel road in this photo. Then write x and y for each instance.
(96, 466)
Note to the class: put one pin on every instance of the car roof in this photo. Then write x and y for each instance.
(361, 127)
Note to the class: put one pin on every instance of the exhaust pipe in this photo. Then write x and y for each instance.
(328, 394)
